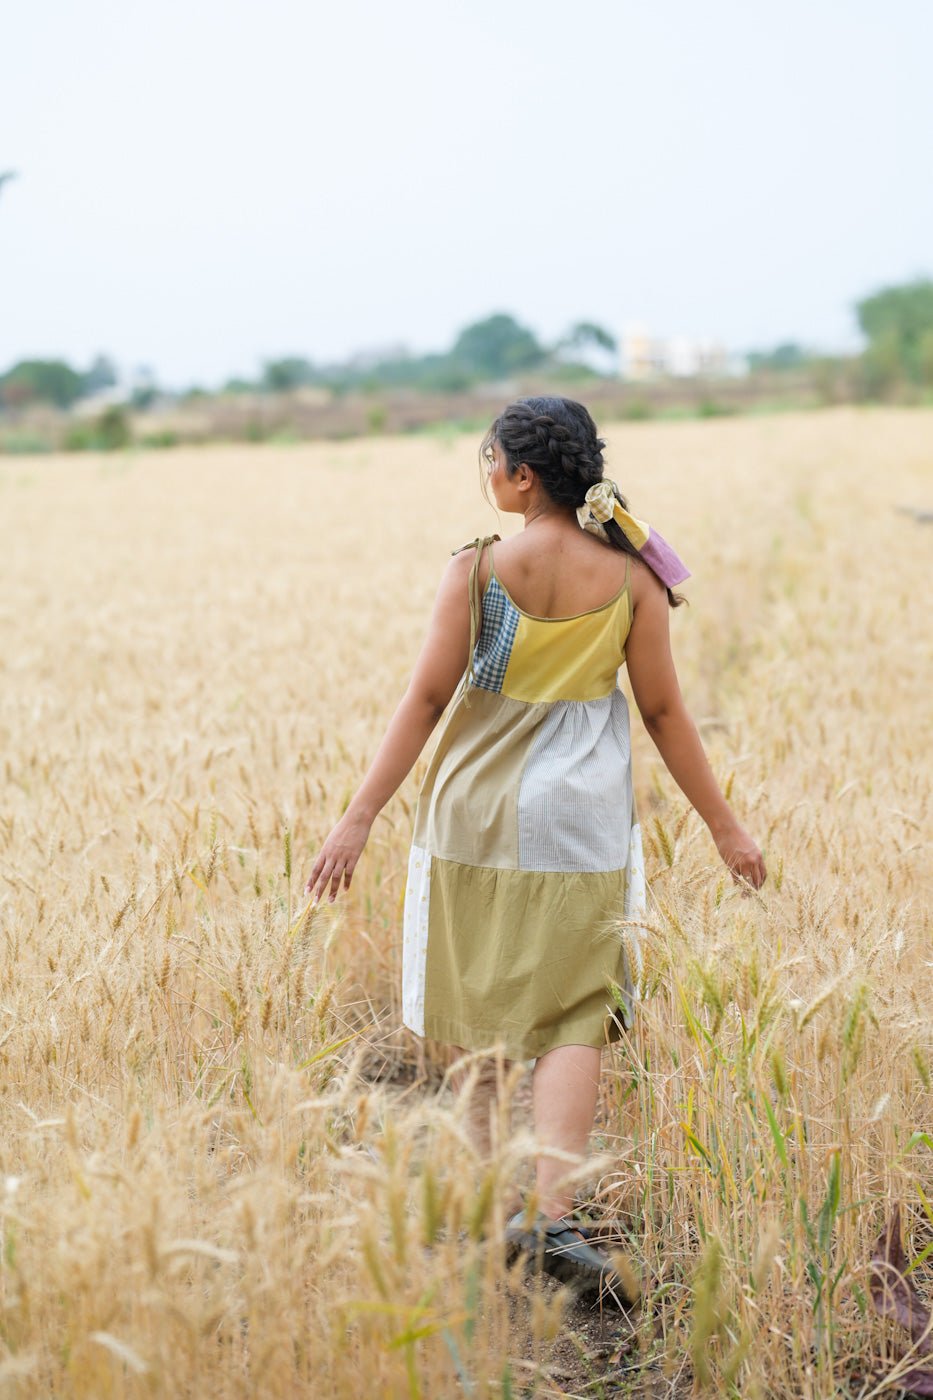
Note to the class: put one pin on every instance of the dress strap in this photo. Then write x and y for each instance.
(481, 543)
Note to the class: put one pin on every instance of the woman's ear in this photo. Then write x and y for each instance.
(524, 478)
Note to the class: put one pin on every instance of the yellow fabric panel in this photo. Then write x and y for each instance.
(574, 658)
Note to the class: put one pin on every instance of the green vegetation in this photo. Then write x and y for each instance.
(496, 348)
(42, 381)
(294, 398)
(486, 351)
(108, 432)
(898, 323)
(788, 355)
(53, 382)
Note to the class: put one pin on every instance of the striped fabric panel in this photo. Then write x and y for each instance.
(575, 801)
(496, 636)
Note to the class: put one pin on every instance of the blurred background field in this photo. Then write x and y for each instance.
(226, 1169)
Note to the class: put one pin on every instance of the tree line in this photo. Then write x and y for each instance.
(897, 323)
(488, 350)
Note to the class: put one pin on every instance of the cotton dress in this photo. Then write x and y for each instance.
(526, 882)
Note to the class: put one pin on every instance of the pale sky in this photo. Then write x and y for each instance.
(207, 183)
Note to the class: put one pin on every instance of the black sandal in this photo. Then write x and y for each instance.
(560, 1248)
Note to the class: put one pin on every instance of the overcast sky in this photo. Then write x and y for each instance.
(207, 183)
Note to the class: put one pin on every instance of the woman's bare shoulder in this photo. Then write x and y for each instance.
(576, 549)
(645, 583)
(464, 556)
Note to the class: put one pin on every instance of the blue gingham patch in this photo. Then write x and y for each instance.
(496, 635)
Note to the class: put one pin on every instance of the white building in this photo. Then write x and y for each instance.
(645, 357)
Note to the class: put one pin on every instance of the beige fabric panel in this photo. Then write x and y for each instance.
(523, 957)
(477, 821)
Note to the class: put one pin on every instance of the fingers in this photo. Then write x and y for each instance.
(321, 868)
(315, 872)
(757, 873)
(749, 871)
(335, 881)
(337, 859)
(318, 882)
(330, 870)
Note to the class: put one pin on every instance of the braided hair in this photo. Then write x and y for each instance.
(557, 438)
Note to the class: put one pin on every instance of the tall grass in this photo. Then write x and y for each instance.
(224, 1168)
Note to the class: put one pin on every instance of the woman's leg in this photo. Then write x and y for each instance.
(482, 1106)
(565, 1086)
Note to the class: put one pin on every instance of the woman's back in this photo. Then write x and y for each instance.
(525, 839)
(556, 572)
(554, 654)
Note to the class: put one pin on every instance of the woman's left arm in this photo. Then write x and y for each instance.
(657, 695)
(440, 665)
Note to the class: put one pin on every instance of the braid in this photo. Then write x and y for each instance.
(566, 453)
(557, 438)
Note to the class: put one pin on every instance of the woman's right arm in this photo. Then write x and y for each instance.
(440, 665)
(661, 705)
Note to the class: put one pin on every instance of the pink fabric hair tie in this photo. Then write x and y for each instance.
(601, 503)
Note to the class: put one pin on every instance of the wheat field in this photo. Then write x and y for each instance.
(225, 1168)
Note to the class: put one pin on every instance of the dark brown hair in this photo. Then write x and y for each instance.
(557, 438)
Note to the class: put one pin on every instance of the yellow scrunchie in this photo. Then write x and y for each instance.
(601, 504)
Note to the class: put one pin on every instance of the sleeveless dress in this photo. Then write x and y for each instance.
(526, 883)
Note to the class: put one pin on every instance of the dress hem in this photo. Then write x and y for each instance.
(515, 1045)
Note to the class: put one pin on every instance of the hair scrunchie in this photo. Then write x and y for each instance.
(601, 503)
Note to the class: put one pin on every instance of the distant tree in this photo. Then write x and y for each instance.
(290, 373)
(925, 356)
(7, 175)
(144, 396)
(788, 355)
(109, 432)
(896, 321)
(41, 381)
(881, 366)
(101, 375)
(113, 429)
(586, 334)
(145, 388)
(496, 347)
(444, 376)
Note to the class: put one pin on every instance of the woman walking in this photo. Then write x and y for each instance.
(526, 872)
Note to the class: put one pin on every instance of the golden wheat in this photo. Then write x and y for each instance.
(226, 1171)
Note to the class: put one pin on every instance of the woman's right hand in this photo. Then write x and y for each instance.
(338, 856)
(740, 854)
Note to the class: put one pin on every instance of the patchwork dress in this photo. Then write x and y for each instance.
(526, 883)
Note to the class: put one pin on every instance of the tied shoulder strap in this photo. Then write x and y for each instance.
(476, 604)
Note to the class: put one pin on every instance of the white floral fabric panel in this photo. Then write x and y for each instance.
(636, 903)
(415, 938)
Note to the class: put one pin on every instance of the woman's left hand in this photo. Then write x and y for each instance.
(338, 857)
(740, 854)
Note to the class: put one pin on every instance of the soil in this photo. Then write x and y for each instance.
(600, 1349)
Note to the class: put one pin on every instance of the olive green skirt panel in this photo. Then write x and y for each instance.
(524, 958)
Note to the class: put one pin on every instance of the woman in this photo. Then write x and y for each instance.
(526, 874)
